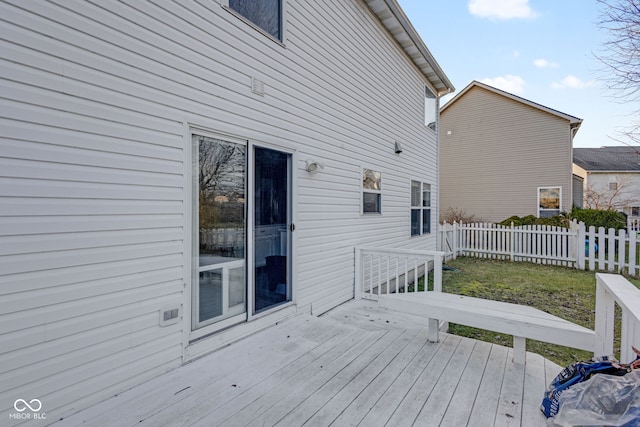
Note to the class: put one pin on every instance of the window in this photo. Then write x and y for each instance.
(266, 14)
(430, 109)
(371, 191)
(549, 201)
(420, 208)
(613, 186)
(635, 211)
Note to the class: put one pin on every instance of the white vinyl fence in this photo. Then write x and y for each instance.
(577, 246)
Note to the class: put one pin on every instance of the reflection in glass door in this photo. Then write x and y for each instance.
(272, 216)
(219, 182)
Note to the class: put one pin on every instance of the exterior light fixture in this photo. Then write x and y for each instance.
(313, 166)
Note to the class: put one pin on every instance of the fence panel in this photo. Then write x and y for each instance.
(601, 250)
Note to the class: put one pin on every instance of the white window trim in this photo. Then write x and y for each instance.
(283, 21)
(363, 190)
(421, 208)
(539, 209)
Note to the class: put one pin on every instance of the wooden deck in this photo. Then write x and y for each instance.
(357, 365)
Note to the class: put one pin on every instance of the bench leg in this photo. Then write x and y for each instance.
(434, 326)
(519, 349)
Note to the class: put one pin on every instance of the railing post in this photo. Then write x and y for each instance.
(357, 290)
(604, 320)
(437, 274)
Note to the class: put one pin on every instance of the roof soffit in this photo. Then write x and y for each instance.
(396, 22)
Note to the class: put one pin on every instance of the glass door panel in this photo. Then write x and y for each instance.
(272, 216)
(219, 290)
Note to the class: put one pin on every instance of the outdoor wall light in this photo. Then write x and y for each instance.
(313, 166)
(398, 148)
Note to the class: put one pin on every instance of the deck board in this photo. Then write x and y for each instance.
(357, 365)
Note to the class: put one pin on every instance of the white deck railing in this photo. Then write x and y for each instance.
(386, 270)
(612, 290)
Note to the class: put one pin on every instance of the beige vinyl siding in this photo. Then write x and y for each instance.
(95, 160)
(495, 152)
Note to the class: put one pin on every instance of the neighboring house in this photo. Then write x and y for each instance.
(611, 178)
(503, 155)
(177, 175)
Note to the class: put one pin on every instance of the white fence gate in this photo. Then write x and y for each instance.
(591, 249)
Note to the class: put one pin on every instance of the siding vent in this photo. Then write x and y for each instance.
(257, 86)
(169, 315)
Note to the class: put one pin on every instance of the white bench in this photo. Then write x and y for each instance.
(513, 319)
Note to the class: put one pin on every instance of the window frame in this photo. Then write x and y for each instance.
(420, 207)
(364, 191)
(540, 209)
(248, 21)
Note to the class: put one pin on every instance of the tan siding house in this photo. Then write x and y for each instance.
(502, 155)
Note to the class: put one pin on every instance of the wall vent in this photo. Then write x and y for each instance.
(169, 315)
(257, 86)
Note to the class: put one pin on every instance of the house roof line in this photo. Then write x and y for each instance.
(396, 22)
(574, 122)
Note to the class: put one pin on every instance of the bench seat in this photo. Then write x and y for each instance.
(513, 319)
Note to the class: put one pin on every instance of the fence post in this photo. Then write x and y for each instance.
(454, 240)
(579, 245)
(512, 241)
(622, 253)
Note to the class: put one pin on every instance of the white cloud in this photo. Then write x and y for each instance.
(508, 83)
(543, 63)
(501, 9)
(572, 82)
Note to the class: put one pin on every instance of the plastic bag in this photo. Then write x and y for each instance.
(577, 373)
(604, 400)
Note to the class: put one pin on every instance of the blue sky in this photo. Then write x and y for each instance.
(542, 50)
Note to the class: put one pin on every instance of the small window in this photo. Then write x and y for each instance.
(613, 186)
(266, 14)
(430, 109)
(420, 208)
(635, 211)
(371, 191)
(549, 201)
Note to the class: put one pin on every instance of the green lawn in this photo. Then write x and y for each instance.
(561, 291)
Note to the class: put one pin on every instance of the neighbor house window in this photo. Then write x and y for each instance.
(635, 211)
(549, 201)
(613, 186)
(430, 109)
(266, 14)
(371, 191)
(420, 208)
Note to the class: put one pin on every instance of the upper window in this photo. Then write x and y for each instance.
(549, 201)
(420, 208)
(430, 109)
(371, 191)
(266, 14)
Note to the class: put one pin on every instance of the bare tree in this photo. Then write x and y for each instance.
(615, 195)
(620, 19)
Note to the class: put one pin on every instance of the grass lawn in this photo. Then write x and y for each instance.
(561, 291)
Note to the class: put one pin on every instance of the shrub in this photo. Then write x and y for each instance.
(558, 221)
(599, 218)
